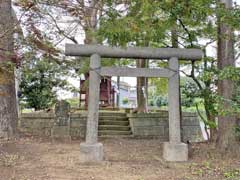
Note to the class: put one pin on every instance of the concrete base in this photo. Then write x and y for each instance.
(91, 152)
(175, 152)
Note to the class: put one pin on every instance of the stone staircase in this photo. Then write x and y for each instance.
(114, 124)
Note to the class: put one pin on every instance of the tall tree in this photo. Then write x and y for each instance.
(135, 25)
(8, 105)
(226, 140)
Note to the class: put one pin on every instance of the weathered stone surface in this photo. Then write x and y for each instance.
(149, 115)
(93, 100)
(175, 152)
(61, 126)
(40, 115)
(78, 122)
(91, 152)
(156, 124)
(192, 133)
(133, 52)
(41, 124)
(149, 131)
(62, 112)
(157, 121)
(135, 72)
(60, 132)
(79, 132)
(189, 114)
(95, 51)
(173, 102)
(190, 121)
(142, 125)
(38, 124)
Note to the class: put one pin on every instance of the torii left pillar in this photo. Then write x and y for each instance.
(92, 150)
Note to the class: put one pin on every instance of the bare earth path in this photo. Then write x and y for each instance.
(125, 159)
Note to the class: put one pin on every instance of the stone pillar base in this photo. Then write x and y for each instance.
(175, 152)
(91, 152)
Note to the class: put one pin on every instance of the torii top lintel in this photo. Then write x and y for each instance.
(133, 52)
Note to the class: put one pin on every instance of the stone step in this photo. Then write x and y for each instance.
(110, 122)
(116, 136)
(116, 114)
(113, 118)
(113, 133)
(114, 128)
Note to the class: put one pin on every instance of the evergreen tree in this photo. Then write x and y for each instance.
(41, 79)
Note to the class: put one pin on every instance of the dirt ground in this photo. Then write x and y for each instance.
(125, 159)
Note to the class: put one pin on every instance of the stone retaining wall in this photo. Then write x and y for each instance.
(41, 124)
(142, 125)
(156, 125)
(78, 125)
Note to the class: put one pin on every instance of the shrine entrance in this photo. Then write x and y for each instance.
(174, 150)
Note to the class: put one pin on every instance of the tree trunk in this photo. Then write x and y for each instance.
(8, 104)
(226, 140)
(141, 88)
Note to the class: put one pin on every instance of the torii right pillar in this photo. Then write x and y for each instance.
(174, 150)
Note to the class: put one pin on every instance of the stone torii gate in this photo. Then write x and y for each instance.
(174, 150)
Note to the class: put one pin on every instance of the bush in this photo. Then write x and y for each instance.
(161, 101)
(125, 101)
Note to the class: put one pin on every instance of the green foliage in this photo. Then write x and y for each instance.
(149, 23)
(125, 101)
(189, 91)
(237, 131)
(161, 101)
(161, 86)
(233, 174)
(74, 102)
(139, 25)
(41, 78)
(232, 74)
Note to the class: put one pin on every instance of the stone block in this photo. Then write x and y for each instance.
(62, 112)
(192, 133)
(148, 131)
(77, 122)
(78, 132)
(38, 115)
(81, 115)
(60, 132)
(190, 121)
(157, 121)
(189, 114)
(175, 152)
(148, 115)
(91, 152)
